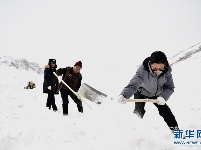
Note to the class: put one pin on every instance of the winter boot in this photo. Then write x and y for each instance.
(173, 129)
(54, 107)
(140, 114)
(49, 107)
(80, 108)
(65, 109)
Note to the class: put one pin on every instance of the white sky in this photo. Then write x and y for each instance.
(92, 31)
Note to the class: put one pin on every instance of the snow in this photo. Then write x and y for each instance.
(26, 124)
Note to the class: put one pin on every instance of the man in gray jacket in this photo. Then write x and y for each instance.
(153, 80)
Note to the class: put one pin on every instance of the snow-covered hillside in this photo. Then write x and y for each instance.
(192, 52)
(26, 124)
(22, 64)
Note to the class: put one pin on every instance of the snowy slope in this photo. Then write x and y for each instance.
(26, 124)
(22, 64)
(192, 52)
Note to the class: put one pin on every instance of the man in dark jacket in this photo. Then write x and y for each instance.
(50, 84)
(153, 80)
(72, 77)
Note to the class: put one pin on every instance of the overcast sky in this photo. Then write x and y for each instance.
(97, 30)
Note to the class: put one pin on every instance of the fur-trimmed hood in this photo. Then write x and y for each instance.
(46, 66)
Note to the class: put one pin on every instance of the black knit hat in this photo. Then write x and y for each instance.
(158, 57)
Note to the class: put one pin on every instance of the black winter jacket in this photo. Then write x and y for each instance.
(50, 80)
(71, 79)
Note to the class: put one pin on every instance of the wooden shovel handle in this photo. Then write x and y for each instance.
(143, 100)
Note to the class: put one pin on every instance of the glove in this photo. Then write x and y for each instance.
(49, 87)
(161, 101)
(78, 96)
(122, 99)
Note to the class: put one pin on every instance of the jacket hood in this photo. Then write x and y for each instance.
(146, 67)
(46, 66)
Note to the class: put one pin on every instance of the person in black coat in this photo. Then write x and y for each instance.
(72, 77)
(50, 84)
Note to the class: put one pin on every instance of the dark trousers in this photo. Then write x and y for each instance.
(163, 110)
(51, 101)
(65, 101)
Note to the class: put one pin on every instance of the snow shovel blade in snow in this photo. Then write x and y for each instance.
(91, 93)
(96, 96)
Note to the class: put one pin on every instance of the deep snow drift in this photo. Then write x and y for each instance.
(26, 124)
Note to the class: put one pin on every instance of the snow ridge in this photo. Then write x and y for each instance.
(188, 53)
(22, 64)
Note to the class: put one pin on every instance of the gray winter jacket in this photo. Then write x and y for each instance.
(149, 84)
